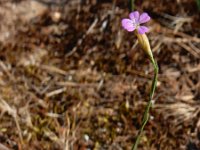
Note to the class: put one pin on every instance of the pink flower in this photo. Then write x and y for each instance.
(135, 22)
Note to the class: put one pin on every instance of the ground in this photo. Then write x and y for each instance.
(71, 78)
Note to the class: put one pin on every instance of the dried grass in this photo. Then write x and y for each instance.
(70, 78)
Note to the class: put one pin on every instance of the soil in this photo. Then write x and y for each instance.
(72, 79)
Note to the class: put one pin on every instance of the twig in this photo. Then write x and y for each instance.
(56, 92)
(189, 49)
(53, 69)
(4, 106)
(6, 70)
(79, 42)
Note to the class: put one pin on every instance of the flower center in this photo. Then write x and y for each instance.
(136, 23)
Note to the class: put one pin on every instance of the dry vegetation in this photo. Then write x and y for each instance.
(72, 79)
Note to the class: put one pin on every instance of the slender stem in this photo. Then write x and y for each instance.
(146, 113)
(132, 4)
(198, 4)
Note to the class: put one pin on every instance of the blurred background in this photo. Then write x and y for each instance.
(72, 79)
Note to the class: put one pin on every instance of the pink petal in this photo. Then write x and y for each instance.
(134, 16)
(143, 29)
(144, 18)
(128, 25)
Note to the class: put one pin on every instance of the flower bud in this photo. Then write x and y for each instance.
(144, 42)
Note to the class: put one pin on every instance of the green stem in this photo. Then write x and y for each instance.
(198, 4)
(146, 113)
(132, 4)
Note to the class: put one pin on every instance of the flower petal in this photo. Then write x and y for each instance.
(144, 18)
(134, 16)
(143, 29)
(128, 25)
